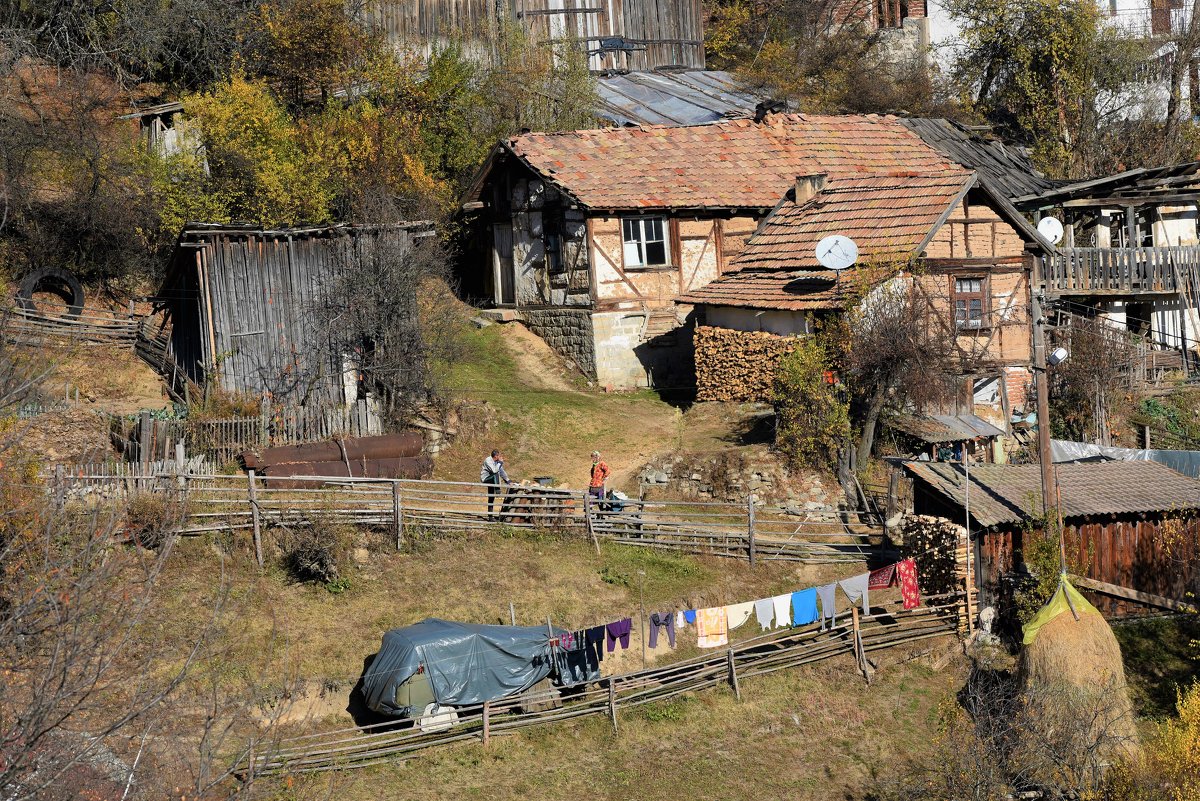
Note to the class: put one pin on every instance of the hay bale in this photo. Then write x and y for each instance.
(1077, 700)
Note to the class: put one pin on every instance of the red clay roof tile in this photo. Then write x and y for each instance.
(729, 164)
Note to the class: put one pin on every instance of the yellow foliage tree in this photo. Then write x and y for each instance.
(257, 161)
(1167, 768)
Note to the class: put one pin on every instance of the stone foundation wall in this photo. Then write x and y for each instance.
(737, 365)
(729, 477)
(568, 331)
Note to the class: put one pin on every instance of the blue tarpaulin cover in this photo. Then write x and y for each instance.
(467, 663)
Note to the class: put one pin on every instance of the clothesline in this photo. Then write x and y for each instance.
(789, 609)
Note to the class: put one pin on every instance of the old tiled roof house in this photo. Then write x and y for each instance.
(595, 235)
(967, 248)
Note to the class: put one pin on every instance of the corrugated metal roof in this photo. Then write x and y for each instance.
(1004, 168)
(1007, 493)
(946, 427)
(686, 97)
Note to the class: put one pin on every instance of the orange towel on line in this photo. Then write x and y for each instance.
(712, 627)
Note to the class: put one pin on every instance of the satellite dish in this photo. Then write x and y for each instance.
(1051, 230)
(837, 252)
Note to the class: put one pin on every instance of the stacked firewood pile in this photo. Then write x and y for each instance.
(737, 365)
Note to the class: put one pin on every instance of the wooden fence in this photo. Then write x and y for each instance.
(51, 320)
(1117, 271)
(365, 746)
(224, 440)
(412, 508)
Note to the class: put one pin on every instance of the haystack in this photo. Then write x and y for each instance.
(1073, 679)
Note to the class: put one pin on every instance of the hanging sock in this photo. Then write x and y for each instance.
(764, 611)
(739, 613)
(828, 610)
(882, 578)
(909, 589)
(783, 609)
(856, 588)
(804, 607)
(663, 621)
(712, 628)
(618, 630)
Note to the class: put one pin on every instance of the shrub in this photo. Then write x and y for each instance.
(318, 552)
(150, 517)
(1166, 768)
(813, 422)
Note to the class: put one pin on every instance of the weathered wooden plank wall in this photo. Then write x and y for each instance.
(1158, 555)
(670, 31)
(244, 307)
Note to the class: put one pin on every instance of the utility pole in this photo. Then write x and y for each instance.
(1042, 387)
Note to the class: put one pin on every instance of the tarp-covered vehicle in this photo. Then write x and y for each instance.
(450, 664)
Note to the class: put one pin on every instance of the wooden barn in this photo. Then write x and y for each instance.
(619, 35)
(1131, 528)
(242, 308)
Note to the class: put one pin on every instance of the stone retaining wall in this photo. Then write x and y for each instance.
(568, 331)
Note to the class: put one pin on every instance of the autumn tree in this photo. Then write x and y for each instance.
(1052, 75)
(822, 56)
(894, 354)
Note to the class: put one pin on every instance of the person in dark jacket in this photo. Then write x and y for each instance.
(492, 473)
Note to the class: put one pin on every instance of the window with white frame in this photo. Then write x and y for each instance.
(644, 241)
(970, 302)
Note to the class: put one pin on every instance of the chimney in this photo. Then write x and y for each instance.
(809, 185)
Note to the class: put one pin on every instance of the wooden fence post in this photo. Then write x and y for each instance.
(750, 527)
(258, 552)
(487, 721)
(60, 487)
(587, 520)
(612, 704)
(398, 514)
(733, 679)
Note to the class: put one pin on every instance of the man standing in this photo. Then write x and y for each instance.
(599, 476)
(492, 473)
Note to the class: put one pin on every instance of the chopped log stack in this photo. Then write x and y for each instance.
(737, 365)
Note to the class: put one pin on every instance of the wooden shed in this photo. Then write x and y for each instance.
(241, 305)
(1131, 526)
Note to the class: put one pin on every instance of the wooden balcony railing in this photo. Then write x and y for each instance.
(1118, 271)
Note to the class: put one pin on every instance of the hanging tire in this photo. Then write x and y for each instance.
(52, 279)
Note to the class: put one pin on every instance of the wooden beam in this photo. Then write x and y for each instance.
(1131, 595)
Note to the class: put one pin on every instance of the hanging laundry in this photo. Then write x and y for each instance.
(828, 611)
(690, 616)
(577, 661)
(664, 621)
(909, 590)
(680, 620)
(882, 578)
(804, 607)
(618, 630)
(712, 628)
(764, 611)
(593, 638)
(739, 613)
(783, 609)
(856, 588)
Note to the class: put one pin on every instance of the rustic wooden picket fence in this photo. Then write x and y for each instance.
(364, 746)
(417, 508)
